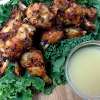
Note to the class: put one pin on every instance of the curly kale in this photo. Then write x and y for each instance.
(27, 2)
(63, 47)
(5, 10)
(19, 88)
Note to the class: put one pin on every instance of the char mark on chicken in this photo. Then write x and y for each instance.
(74, 32)
(21, 41)
(76, 14)
(11, 27)
(39, 15)
(52, 36)
(34, 63)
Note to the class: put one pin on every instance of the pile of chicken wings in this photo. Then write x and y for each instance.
(64, 19)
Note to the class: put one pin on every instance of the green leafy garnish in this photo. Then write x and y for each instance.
(63, 47)
(56, 55)
(19, 88)
(5, 10)
(28, 2)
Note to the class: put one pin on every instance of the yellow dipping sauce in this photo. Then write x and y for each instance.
(84, 70)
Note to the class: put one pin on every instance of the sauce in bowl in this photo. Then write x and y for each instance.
(83, 69)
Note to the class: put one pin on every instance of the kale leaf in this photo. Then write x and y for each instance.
(19, 88)
(5, 11)
(28, 2)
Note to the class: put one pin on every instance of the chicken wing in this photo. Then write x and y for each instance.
(8, 31)
(13, 47)
(15, 37)
(39, 15)
(52, 36)
(11, 27)
(61, 4)
(34, 63)
(74, 32)
(75, 14)
(22, 40)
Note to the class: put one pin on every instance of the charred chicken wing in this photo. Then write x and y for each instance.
(39, 15)
(15, 37)
(11, 27)
(34, 63)
(76, 14)
(22, 40)
(61, 4)
(74, 32)
(52, 36)
(8, 31)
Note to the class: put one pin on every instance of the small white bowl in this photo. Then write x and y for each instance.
(70, 82)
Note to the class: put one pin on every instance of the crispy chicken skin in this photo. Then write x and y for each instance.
(60, 4)
(8, 31)
(22, 40)
(11, 27)
(74, 32)
(34, 63)
(39, 15)
(52, 36)
(75, 14)
(14, 46)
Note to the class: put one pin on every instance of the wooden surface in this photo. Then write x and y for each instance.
(60, 93)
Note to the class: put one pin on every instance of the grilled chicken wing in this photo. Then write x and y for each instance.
(61, 4)
(75, 14)
(39, 15)
(15, 37)
(8, 31)
(34, 63)
(52, 36)
(74, 32)
(11, 27)
(13, 47)
(22, 40)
